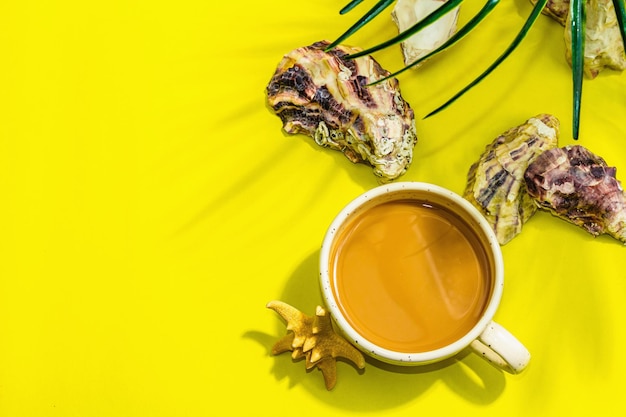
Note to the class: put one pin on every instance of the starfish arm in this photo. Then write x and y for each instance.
(283, 345)
(349, 352)
(291, 315)
(328, 366)
(337, 347)
(297, 321)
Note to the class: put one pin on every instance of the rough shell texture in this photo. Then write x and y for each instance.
(495, 183)
(556, 9)
(406, 13)
(578, 186)
(603, 40)
(326, 96)
(604, 47)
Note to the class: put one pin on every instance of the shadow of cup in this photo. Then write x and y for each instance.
(380, 385)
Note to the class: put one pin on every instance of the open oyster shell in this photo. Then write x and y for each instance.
(407, 13)
(578, 186)
(326, 96)
(495, 183)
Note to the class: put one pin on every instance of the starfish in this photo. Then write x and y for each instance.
(328, 366)
(314, 338)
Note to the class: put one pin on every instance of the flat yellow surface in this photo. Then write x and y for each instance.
(152, 206)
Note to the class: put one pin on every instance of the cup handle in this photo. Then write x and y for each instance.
(501, 348)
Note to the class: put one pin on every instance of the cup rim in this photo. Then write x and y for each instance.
(413, 358)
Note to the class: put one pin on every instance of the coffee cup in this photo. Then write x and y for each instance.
(413, 274)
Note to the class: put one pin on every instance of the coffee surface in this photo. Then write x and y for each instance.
(410, 276)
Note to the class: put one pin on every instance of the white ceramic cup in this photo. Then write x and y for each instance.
(487, 338)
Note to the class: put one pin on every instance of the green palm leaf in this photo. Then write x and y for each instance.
(620, 11)
(431, 18)
(458, 35)
(367, 17)
(350, 6)
(577, 27)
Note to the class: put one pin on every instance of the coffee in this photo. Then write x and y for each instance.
(410, 275)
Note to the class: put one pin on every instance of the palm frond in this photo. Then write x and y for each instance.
(620, 11)
(350, 6)
(365, 19)
(577, 28)
(458, 35)
(431, 18)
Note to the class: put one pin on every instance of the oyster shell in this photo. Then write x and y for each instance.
(603, 40)
(326, 96)
(604, 47)
(578, 186)
(495, 183)
(406, 13)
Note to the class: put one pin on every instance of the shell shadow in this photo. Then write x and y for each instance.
(379, 386)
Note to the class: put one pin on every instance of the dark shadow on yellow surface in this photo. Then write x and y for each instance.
(379, 386)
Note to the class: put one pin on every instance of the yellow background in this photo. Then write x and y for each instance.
(151, 207)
